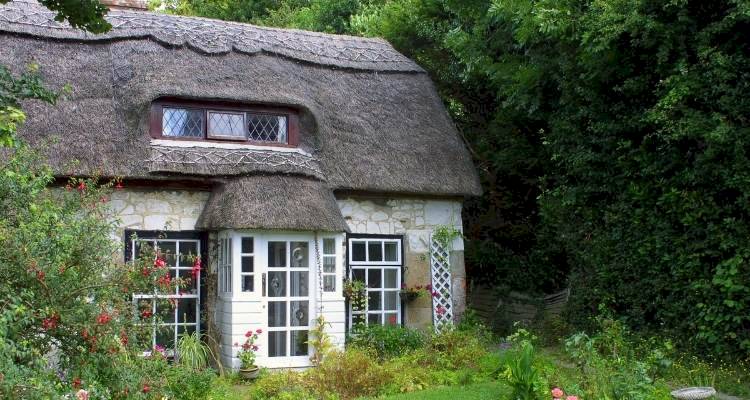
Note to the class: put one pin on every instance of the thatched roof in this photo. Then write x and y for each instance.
(272, 202)
(370, 119)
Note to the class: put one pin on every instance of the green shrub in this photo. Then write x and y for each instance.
(348, 374)
(388, 341)
(522, 375)
(275, 385)
(188, 383)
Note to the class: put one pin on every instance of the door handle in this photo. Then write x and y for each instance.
(263, 284)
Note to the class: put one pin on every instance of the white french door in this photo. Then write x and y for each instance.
(287, 293)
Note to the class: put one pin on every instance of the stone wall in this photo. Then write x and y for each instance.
(155, 209)
(415, 219)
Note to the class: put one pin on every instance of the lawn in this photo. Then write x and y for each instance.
(479, 391)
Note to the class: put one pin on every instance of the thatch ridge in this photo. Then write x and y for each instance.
(283, 202)
(214, 37)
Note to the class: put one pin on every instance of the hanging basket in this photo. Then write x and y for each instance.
(408, 297)
(694, 393)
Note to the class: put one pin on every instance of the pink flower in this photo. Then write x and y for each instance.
(159, 263)
(571, 398)
(259, 331)
(82, 395)
(440, 310)
(236, 344)
(557, 393)
(248, 333)
(255, 348)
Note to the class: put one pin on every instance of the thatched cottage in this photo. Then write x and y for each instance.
(289, 161)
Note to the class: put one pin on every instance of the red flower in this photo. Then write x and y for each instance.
(392, 319)
(146, 271)
(82, 186)
(103, 318)
(124, 338)
(246, 346)
(146, 314)
(435, 294)
(248, 333)
(119, 185)
(164, 281)
(50, 322)
(146, 388)
(255, 348)
(159, 263)
(85, 334)
(76, 383)
(40, 275)
(196, 268)
(259, 331)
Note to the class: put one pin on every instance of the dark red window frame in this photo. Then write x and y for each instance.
(157, 109)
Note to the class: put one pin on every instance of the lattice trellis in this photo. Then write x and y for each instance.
(442, 302)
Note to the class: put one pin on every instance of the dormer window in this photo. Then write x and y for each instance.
(190, 120)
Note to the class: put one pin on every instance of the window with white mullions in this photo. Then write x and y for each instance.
(376, 262)
(225, 266)
(329, 265)
(180, 313)
(247, 264)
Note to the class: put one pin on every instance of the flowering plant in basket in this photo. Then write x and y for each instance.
(411, 293)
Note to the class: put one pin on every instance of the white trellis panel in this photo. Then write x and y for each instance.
(442, 302)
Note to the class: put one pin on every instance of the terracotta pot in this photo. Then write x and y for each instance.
(249, 373)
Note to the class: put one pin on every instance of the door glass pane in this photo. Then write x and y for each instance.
(300, 310)
(276, 254)
(277, 284)
(391, 279)
(247, 264)
(375, 251)
(277, 344)
(299, 343)
(329, 283)
(248, 283)
(373, 301)
(300, 255)
(299, 284)
(276, 314)
(247, 245)
(390, 301)
(391, 251)
(186, 311)
(358, 251)
(329, 246)
(373, 278)
(329, 264)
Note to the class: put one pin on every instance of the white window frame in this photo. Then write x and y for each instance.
(367, 265)
(225, 261)
(136, 297)
(242, 257)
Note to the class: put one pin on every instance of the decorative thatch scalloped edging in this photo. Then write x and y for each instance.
(214, 37)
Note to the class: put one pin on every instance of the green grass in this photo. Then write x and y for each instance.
(479, 391)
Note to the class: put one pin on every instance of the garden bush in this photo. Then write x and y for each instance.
(388, 341)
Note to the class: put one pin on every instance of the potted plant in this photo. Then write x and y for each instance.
(409, 294)
(356, 293)
(248, 369)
